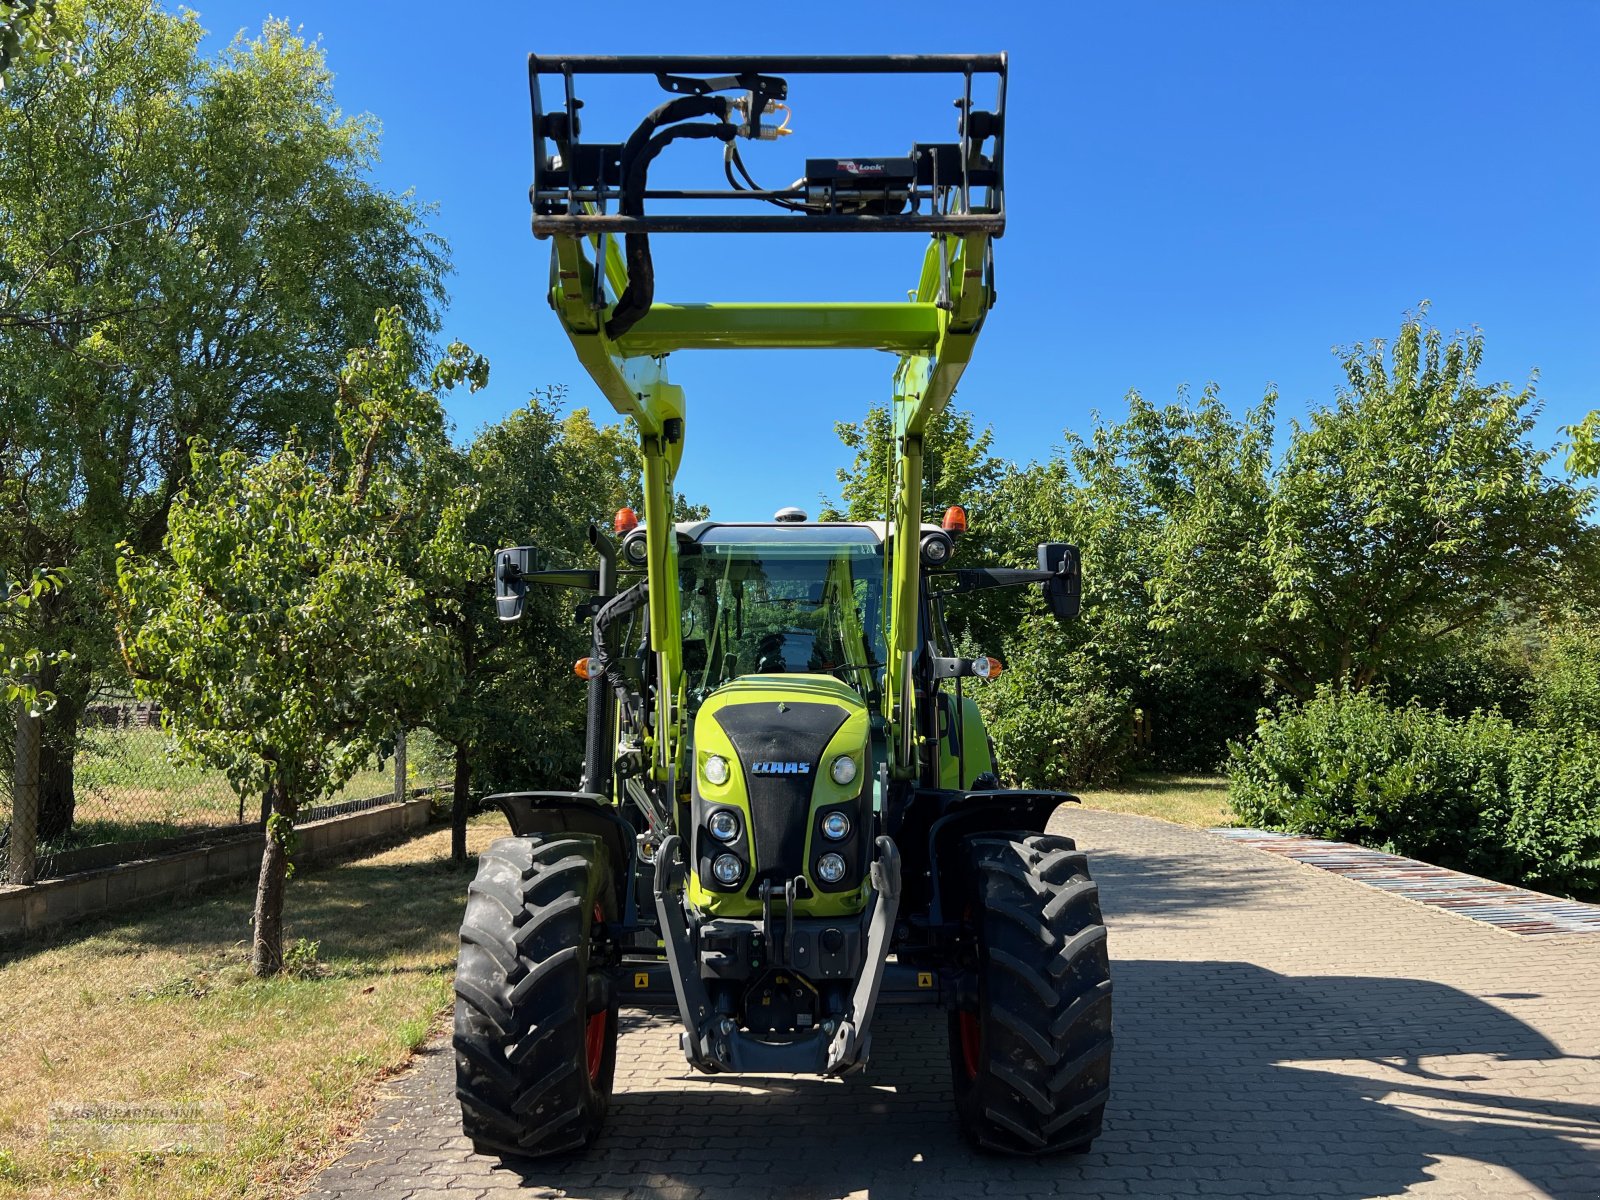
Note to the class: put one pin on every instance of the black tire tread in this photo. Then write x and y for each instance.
(1044, 999)
(522, 998)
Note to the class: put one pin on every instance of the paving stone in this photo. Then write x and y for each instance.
(1280, 1032)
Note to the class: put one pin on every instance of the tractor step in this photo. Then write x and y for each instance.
(646, 984)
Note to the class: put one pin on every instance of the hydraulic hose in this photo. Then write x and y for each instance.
(640, 149)
(610, 646)
(670, 113)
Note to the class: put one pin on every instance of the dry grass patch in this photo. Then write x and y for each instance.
(160, 1008)
(1199, 801)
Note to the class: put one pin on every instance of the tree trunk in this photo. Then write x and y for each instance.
(266, 949)
(459, 802)
(58, 751)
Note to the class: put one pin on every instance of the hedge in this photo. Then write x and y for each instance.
(1474, 793)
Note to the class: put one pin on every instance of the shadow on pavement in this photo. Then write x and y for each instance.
(1230, 1080)
(1151, 884)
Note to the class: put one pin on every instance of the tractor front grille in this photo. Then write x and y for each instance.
(780, 804)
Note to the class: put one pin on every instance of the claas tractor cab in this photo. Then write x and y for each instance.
(789, 812)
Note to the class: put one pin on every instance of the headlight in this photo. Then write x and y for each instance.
(936, 549)
(716, 769)
(635, 549)
(727, 869)
(843, 769)
(724, 825)
(836, 827)
(830, 868)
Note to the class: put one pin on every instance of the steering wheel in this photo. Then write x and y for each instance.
(769, 655)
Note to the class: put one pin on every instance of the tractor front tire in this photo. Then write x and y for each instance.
(536, 1016)
(1030, 1052)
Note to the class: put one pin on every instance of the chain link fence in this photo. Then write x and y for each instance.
(131, 798)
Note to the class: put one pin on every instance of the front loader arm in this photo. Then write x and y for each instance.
(958, 284)
(952, 191)
(637, 388)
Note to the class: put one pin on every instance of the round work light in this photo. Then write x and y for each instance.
(830, 868)
(724, 825)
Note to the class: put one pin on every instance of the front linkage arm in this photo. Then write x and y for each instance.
(714, 1043)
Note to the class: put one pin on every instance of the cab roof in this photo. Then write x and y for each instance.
(827, 533)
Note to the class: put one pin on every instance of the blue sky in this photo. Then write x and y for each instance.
(1197, 192)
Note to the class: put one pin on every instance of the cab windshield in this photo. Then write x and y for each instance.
(782, 606)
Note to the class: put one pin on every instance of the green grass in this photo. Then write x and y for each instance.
(161, 1008)
(1199, 801)
(129, 787)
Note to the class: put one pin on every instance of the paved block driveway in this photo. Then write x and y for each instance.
(1280, 1032)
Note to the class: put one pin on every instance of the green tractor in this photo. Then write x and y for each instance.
(790, 812)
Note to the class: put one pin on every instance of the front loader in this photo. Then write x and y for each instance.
(790, 812)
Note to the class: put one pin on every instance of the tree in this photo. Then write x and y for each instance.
(1583, 456)
(294, 615)
(957, 466)
(187, 248)
(21, 659)
(1411, 508)
(516, 717)
(27, 33)
(1167, 508)
(505, 718)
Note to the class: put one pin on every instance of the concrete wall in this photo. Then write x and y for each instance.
(24, 910)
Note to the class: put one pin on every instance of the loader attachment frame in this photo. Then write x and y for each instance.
(584, 194)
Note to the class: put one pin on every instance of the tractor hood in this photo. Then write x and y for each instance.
(779, 738)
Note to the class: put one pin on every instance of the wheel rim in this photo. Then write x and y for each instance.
(594, 1034)
(595, 1044)
(971, 1043)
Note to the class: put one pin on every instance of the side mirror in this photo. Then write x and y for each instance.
(1064, 588)
(510, 588)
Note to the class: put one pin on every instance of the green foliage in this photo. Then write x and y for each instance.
(21, 660)
(1583, 456)
(1190, 709)
(1166, 508)
(28, 34)
(296, 619)
(1354, 767)
(1475, 793)
(1566, 679)
(1412, 508)
(1170, 505)
(1485, 667)
(1401, 523)
(539, 479)
(957, 465)
(291, 622)
(301, 959)
(188, 246)
(1057, 718)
